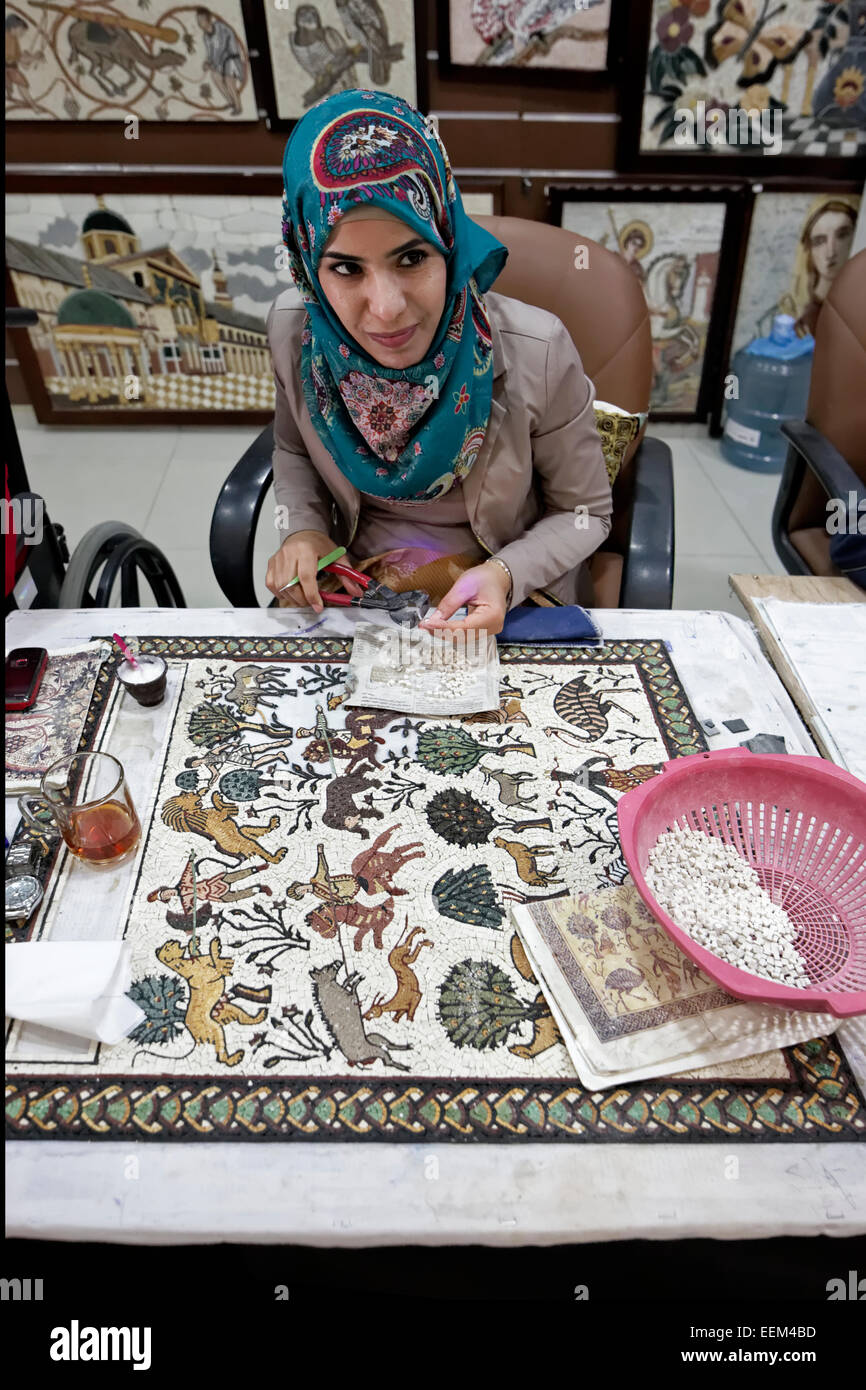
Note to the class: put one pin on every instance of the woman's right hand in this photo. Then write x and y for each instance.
(299, 555)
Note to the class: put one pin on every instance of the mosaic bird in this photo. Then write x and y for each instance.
(365, 23)
(320, 49)
(507, 26)
(623, 981)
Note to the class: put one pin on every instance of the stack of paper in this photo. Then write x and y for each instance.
(629, 1004)
(825, 644)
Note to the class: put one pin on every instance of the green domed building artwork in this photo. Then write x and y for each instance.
(130, 327)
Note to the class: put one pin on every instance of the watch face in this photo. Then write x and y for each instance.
(22, 895)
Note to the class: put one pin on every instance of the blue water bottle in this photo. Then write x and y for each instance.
(772, 376)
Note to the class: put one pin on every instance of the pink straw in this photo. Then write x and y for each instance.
(125, 649)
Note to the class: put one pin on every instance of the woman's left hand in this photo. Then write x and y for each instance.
(484, 591)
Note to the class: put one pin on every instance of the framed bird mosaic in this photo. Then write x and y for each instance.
(708, 79)
(530, 35)
(318, 49)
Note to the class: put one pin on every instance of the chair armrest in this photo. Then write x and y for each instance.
(809, 448)
(235, 518)
(648, 568)
(833, 472)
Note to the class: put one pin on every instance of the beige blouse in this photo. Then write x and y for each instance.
(441, 526)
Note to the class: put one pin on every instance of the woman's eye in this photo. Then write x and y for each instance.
(346, 268)
(411, 258)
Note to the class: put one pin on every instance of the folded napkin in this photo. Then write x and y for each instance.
(564, 623)
(74, 986)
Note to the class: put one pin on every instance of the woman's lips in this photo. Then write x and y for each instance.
(394, 340)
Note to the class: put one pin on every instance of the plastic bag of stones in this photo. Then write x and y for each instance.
(418, 672)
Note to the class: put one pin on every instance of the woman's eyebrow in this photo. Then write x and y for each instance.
(397, 251)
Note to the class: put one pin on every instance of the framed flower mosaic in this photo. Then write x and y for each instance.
(712, 79)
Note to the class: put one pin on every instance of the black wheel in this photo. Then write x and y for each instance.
(89, 556)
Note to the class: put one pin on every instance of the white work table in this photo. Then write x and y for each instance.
(356, 1194)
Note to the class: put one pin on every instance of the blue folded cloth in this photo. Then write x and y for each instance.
(565, 623)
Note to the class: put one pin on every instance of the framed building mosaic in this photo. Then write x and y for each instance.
(151, 305)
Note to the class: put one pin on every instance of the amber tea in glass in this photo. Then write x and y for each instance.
(88, 797)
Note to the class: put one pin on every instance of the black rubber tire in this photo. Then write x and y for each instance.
(93, 548)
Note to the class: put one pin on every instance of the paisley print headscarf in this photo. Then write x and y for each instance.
(403, 433)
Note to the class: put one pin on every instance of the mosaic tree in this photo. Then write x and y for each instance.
(479, 1008)
(468, 895)
(462, 819)
(454, 750)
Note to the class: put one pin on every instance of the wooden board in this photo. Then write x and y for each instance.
(793, 589)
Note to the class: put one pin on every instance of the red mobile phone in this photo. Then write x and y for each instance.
(25, 667)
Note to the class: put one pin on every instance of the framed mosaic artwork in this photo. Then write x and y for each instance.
(681, 243)
(345, 967)
(304, 53)
(779, 87)
(798, 242)
(489, 36)
(482, 197)
(151, 305)
(112, 60)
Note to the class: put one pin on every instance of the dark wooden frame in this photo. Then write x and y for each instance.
(260, 59)
(631, 158)
(257, 183)
(735, 196)
(530, 76)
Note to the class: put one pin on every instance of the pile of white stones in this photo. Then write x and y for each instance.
(716, 898)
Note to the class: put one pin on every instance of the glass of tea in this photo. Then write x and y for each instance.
(88, 798)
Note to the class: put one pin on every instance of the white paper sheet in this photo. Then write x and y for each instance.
(825, 644)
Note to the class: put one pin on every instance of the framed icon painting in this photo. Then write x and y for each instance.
(680, 243)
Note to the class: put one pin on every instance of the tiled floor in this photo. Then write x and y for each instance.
(165, 482)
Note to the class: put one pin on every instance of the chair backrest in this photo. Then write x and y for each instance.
(602, 305)
(836, 406)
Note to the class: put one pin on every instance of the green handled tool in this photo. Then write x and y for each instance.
(323, 563)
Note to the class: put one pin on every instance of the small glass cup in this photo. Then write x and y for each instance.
(145, 681)
(88, 798)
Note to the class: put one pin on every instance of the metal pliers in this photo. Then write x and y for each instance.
(408, 607)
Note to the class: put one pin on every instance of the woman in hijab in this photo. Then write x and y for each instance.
(443, 433)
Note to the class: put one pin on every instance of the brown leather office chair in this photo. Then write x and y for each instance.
(827, 454)
(604, 309)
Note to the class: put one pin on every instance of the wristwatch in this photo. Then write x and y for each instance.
(495, 560)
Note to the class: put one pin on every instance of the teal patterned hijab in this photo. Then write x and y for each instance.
(406, 432)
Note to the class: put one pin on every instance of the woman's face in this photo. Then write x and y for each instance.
(830, 243)
(385, 284)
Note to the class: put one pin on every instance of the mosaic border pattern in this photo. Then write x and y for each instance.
(822, 1102)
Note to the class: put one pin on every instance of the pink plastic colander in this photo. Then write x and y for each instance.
(801, 823)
